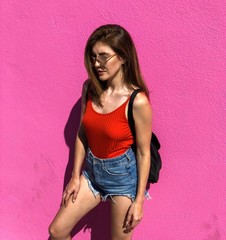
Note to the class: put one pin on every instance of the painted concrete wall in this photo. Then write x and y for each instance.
(181, 46)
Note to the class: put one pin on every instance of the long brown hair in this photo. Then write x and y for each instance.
(122, 44)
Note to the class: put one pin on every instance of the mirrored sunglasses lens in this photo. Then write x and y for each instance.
(102, 60)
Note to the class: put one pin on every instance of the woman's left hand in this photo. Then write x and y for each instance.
(134, 215)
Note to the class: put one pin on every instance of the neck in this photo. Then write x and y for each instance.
(116, 83)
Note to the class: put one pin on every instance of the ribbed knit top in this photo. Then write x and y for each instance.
(109, 134)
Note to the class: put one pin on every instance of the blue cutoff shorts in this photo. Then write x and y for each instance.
(112, 176)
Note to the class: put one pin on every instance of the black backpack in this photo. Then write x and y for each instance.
(156, 162)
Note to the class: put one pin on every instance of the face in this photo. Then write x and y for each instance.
(106, 62)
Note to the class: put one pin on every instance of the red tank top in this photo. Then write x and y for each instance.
(109, 134)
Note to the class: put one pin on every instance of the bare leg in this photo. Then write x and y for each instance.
(118, 215)
(67, 217)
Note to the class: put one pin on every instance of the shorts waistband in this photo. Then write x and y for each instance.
(129, 154)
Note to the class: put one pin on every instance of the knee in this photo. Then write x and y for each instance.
(57, 233)
(54, 232)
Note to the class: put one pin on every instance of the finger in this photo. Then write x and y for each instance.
(67, 199)
(128, 220)
(134, 222)
(74, 196)
(63, 198)
(67, 196)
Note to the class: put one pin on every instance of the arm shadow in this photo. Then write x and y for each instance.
(97, 221)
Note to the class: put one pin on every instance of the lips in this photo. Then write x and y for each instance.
(100, 71)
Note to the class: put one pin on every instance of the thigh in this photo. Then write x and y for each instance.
(68, 216)
(119, 209)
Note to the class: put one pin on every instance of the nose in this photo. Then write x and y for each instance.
(97, 63)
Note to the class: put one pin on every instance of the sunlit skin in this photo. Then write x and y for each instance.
(77, 198)
(112, 70)
(116, 94)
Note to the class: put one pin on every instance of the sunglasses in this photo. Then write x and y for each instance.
(102, 59)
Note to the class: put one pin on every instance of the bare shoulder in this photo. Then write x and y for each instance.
(141, 102)
(142, 111)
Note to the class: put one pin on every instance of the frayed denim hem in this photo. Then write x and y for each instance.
(104, 198)
(147, 195)
(94, 191)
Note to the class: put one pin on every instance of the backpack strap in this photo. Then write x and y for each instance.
(154, 139)
(130, 111)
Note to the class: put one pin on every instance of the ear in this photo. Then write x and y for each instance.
(122, 60)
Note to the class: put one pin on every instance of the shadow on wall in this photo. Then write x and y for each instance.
(97, 222)
(70, 131)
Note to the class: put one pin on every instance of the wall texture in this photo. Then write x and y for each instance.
(182, 52)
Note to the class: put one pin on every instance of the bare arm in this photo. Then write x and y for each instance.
(80, 142)
(143, 123)
(142, 114)
(73, 186)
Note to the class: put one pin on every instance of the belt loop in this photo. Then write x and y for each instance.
(103, 164)
(127, 156)
(88, 152)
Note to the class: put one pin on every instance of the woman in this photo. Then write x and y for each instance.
(113, 171)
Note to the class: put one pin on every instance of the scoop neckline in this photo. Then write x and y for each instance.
(91, 103)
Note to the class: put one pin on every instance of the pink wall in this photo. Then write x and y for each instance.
(181, 46)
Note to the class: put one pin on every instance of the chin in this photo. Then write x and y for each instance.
(103, 78)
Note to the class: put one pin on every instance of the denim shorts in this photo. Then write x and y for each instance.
(112, 176)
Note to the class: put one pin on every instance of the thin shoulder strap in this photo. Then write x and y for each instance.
(130, 111)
